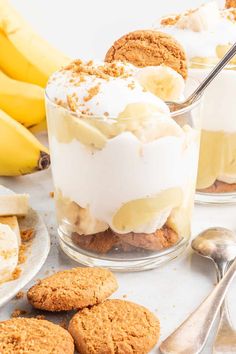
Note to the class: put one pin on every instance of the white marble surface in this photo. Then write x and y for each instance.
(171, 291)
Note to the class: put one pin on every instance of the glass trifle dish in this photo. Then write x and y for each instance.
(124, 169)
(207, 33)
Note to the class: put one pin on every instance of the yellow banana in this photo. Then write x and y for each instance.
(20, 151)
(24, 55)
(22, 101)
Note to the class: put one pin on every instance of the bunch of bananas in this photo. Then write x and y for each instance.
(26, 62)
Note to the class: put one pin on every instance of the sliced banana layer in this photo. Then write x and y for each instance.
(137, 214)
(66, 127)
(146, 122)
(8, 252)
(162, 81)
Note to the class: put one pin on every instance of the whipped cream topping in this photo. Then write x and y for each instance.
(201, 30)
(162, 164)
(100, 89)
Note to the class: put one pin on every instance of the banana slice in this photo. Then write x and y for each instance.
(66, 127)
(140, 212)
(146, 122)
(162, 81)
(8, 252)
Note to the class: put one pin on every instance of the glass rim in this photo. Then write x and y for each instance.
(230, 66)
(184, 110)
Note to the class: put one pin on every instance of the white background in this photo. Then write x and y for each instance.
(86, 29)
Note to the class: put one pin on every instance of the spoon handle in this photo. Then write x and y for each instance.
(222, 63)
(191, 336)
(225, 332)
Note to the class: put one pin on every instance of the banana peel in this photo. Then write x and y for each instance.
(24, 55)
(22, 101)
(20, 152)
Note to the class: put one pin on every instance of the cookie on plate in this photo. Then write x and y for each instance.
(72, 289)
(29, 335)
(115, 326)
(149, 48)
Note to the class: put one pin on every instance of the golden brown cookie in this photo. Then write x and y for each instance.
(219, 187)
(162, 238)
(29, 335)
(102, 242)
(230, 3)
(115, 326)
(149, 48)
(72, 289)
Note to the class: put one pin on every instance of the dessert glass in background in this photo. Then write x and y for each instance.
(124, 169)
(207, 33)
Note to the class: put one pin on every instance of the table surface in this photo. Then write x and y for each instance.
(172, 291)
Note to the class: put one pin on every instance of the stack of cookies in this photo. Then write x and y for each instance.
(100, 325)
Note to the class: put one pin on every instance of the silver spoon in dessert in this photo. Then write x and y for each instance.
(219, 245)
(191, 336)
(174, 106)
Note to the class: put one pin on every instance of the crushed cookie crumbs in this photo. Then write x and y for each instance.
(106, 114)
(17, 313)
(131, 85)
(16, 274)
(230, 4)
(105, 71)
(170, 21)
(27, 235)
(93, 91)
(20, 295)
(51, 194)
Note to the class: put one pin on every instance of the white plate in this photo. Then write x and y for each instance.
(35, 256)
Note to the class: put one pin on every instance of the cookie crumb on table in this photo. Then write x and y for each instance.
(20, 295)
(27, 235)
(51, 194)
(17, 313)
(40, 317)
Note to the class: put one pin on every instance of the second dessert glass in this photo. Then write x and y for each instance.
(124, 187)
(216, 181)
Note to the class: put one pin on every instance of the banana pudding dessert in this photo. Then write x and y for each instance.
(124, 170)
(207, 33)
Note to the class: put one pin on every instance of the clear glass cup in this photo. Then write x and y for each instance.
(216, 181)
(124, 194)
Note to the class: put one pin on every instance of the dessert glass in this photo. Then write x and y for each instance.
(216, 181)
(123, 202)
(207, 33)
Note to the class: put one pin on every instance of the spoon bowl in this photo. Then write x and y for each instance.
(216, 243)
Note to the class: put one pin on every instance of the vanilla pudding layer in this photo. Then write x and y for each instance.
(217, 160)
(122, 183)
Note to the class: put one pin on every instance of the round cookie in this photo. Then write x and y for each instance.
(72, 289)
(115, 326)
(149, 48)
(29, 335)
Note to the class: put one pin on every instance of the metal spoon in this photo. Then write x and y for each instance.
(174, 106)
(191, 336)
(219, 245)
